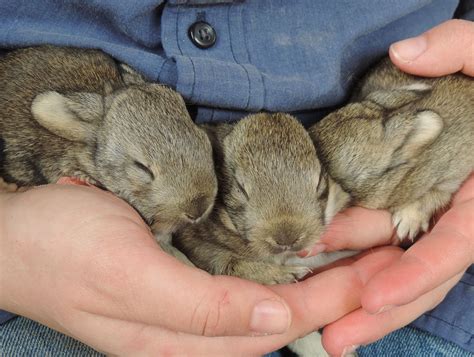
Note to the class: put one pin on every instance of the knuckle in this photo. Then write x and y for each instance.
(209, 317)
(462, 30)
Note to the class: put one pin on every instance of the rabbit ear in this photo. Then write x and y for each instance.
(426, 126)
(395, 98)
(338, 199)
(130, 76)
(73, 117)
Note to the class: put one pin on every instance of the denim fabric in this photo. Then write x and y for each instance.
(412, 342)
(23, 337)
(453, 319)
(5, 316)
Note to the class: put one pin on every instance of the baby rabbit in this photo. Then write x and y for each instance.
(404, 143)
(274, 200)
(76, 112)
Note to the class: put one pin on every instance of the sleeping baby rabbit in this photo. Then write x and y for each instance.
(274, 199)
(75, 112)
(404, 143)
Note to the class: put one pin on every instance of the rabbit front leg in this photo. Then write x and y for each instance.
(217, 259)
(409, 219)
(265, 273)
(165, 242)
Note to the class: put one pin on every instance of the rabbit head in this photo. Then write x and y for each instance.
(275, 192)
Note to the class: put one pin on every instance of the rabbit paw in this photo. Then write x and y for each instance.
(267, 273)
(291, 274)
(280, 274)
(409, 220)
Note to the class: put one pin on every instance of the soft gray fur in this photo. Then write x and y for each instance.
(74, 112)
(404, 143)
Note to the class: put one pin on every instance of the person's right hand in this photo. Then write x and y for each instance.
(82, 261)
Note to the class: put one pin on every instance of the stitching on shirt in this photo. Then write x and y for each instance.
(245, 40)
(450, 324)
(235, 59)
(181, 52)
(176, 30)
(194, 78)
(160, 70)
(262, 81)
(248, 81)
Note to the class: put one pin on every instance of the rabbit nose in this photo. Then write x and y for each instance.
(196, 209)
(285, 238)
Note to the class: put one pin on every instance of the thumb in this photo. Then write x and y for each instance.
(445, 49)
(169, 294)
(223, 305)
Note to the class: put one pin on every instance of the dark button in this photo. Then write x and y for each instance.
(202, 34)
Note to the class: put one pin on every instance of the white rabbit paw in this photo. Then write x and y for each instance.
(409, 221)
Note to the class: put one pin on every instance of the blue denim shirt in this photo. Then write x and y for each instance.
(298, 56)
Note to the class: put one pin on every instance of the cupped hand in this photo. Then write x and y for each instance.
(82, 261)
(420, 279)
(415, 283)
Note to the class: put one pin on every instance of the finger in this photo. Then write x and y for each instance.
(466, 192)
(127, 275)
(360, 228)
(440, 255)
(316, 302)
(125, 338)
(355, 228)
(361, 328)
(445, 49)
(331, 294)
(69, 180)
(164, 292)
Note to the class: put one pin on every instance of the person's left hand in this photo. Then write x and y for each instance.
(416, 283)
(420, 279)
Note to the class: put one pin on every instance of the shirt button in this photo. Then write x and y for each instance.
(202, 34)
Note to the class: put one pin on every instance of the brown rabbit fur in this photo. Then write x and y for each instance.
(75, 112)
(404, 143)
(274, 200)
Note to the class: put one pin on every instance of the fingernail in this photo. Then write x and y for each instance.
(348, 350)
(316, 249)
(384, 309)
(410, 49)
(303, 253)
(270, 317)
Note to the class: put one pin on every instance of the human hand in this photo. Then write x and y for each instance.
(416, 282)
(82, 261)
(445, 49)
(425, 273)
